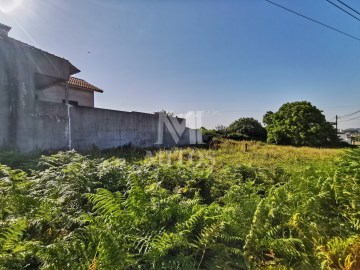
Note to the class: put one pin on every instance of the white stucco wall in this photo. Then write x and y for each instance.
(344, 137)
(57, 94)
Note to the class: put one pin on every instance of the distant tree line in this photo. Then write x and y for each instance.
(295, 123)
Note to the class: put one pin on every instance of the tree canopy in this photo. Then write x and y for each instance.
(246, 129)
(300, 124)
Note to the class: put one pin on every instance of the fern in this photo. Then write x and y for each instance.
(12, 234)
(107, 204)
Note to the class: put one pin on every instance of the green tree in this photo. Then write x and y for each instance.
(246, 129)
(300, 124)
(267, 119)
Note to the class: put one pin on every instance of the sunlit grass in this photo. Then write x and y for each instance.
(224, 153)
(254, 154)
(264, 155)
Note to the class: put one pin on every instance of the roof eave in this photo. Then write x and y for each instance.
(73, 70)
(86, 89)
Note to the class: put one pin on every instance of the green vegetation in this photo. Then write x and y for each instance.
(299, 124)
(295, 123)
(246, 129)
(243, 129)
(269, 207)
(19, 161)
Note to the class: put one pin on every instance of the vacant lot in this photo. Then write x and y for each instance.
(235, 206)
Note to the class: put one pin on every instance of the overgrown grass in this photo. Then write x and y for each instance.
(269, 207)
(18, 160)
(268, 156)
(255, 154)
(225, 152)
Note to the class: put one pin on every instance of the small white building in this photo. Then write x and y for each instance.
(345, 137)
(81, 93)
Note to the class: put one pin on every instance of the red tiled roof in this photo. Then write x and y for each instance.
(81, 84)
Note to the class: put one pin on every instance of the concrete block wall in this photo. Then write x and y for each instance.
(50, 129)
(59, 126)
(5, 104)
(19, 65)
(107, 128)
(56, 94)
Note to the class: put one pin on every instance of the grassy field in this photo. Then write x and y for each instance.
(272, 156)
(225, 152)
(237, 205)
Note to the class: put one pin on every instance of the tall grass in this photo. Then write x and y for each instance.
(268, 207)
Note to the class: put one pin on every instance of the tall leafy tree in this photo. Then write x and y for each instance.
(300, 124)
(246, 129)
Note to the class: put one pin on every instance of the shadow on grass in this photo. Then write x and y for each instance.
(16, 160)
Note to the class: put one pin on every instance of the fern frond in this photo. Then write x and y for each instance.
(107, 203)
(11, 235)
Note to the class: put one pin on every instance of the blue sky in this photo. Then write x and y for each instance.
(228, 58)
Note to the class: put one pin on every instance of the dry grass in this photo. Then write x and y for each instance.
(264, 155)
(226, 152)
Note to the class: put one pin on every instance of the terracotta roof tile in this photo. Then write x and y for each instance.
(79, 83)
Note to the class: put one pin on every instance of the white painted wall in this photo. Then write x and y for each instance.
(344, 137)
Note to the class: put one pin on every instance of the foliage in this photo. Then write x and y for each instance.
(16, 160)
(208, 135)
(299, 124)
(289, 208)
(246, 129)
(243, 129)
